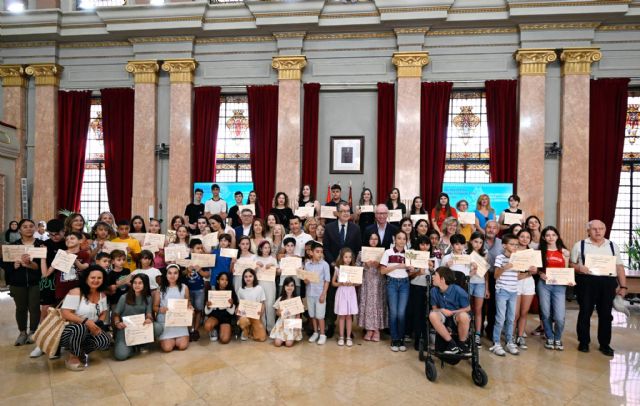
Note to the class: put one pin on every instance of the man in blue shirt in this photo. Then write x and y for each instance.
(450, 301)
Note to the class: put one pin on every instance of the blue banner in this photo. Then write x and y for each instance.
(498, 193)
(227, 190)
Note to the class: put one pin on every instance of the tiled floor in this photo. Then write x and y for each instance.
(308, 374)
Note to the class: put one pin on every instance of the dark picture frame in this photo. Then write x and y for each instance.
(347, 154)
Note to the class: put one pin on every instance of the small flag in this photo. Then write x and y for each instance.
(328, 192)
(350, 196)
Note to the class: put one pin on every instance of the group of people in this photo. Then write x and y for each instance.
(104, 286)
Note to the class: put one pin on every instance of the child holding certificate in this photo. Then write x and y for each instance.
(417, 311)
(65, 281)
(244, 251)
(317, 292)
(158, 259)
(223, 264)
(526, 291)
(265, 261)
(195, 276)
(479, 284)
(170, 288)
(346, 301)
(221, 317)
(552, 297)
(144, 266)
(101, 233)
(373, 303)
(133, 244)
(137, 300)
(282, 334)
(506, 296)
(458, 248)
(118, 279)
(251, 291)
(289, 244)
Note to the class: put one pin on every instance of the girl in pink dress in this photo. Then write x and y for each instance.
(346, 301)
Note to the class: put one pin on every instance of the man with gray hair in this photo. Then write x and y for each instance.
(493, 245)
(596, 290)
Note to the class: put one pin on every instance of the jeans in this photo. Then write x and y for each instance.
(27, 300)
(398, 297)
(552, 309)
(505, 314)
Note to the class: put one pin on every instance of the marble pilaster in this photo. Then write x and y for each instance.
(45, 168)
(531, 94)
(14, 83)
(181, 79)
(288, 169)
(409, 65)
(144, 136)
(573, 199)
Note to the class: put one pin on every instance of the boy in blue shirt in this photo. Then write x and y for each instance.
(317, 292)
(450, 301)
(194, 276)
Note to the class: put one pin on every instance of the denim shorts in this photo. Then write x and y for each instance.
(197, 299)
(316, 309)
(477, 289)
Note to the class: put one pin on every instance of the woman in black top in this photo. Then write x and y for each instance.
(368, 218)
(281, 209)
(12, 234)
(394, 203)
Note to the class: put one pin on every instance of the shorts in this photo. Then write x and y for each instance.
(222, 316)
(526, 287)
(452, 319)
(316, 309)
(197, 299)
(477, 289)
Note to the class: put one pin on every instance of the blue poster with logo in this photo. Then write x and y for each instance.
(498, 194)
(227, 190)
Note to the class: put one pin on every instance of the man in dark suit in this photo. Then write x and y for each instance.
(339, 234)
(382, 227)
(246, 217)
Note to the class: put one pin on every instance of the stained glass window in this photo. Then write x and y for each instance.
(93, 199)
(467, 138)
(233, 147)
(628, 206)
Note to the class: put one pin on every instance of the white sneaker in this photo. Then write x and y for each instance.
(314, 337)
(322, 339)
(243, 337)
(513, 349)
(37, 352)
(213, 336)
(498, 350)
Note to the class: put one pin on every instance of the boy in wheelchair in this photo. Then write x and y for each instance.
(450, 309)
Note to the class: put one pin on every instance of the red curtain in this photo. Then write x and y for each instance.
(607, 116)
(386, 139)
(434, 120)
(206, 114)
(263, 130)
(502, 123)
(117, 122)
(74, 109)
(310, 136)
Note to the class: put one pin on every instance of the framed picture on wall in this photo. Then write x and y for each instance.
(347, 154)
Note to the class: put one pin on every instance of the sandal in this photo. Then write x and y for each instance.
(74, 366)
(349, 342)
(341, 341)
(376, 336)
(368, 336)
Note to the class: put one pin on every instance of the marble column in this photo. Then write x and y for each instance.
(288, 169)
(573, 199)
(531, 93)
(144, 196)
(407, 168)
(181, 79)
(45, 170)
(14, 101)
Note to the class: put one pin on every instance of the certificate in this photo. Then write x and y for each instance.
(110, 246)
(525, 259)
(185, 263)
(151, 248)
(179, 314)
(308, 275)
(305, 211)
(481, 263)
(137, 332)
(210, 241)
(154, 239)
(267, 274)
(467, 217)
(293, 324)
(251, 207)
(602, 265)
(219, 298)
(366, 208)
(242, 264)
(36, 252)
(229, 252)
(176, 252)
(63, 261)
(139, 237)
(463, 259)
(417, 259)
(512, 218)
(203, 260)
(12, 253)
(417, 217)
(395, 216)
(350, 274)
(327, 212)
(249, 309)
(371, 254)
(291, 307)
(289, 266)
(561, 276)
